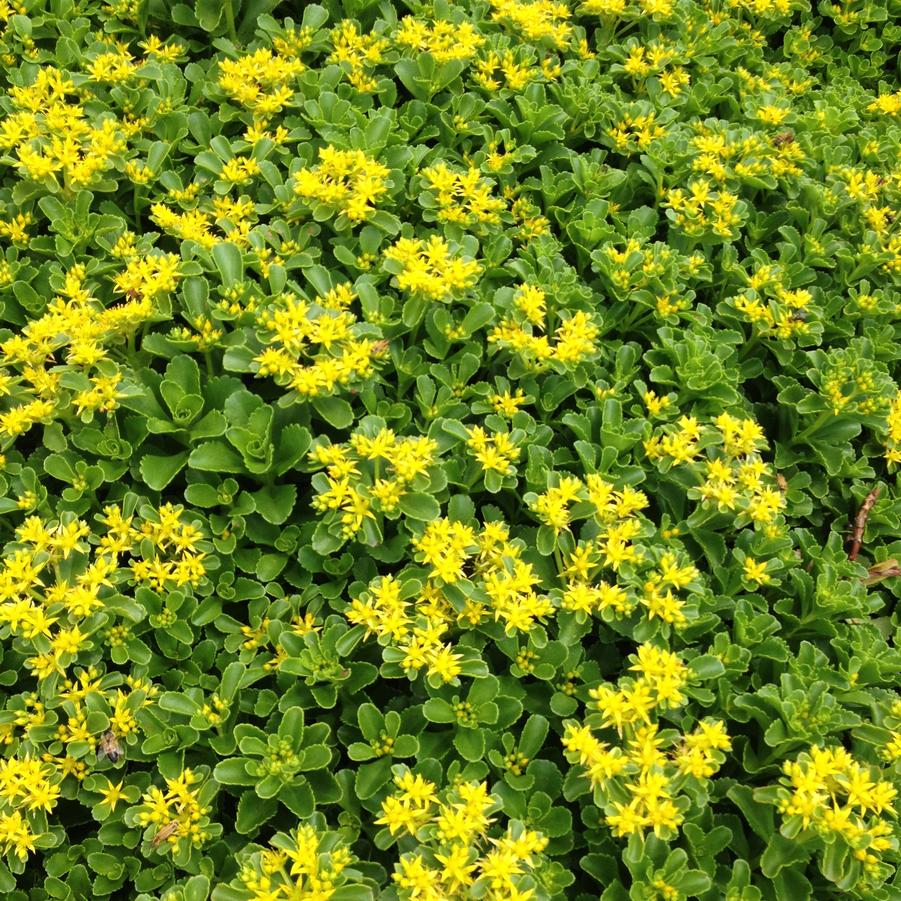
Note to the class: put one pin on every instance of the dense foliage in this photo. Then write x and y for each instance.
(449, 450)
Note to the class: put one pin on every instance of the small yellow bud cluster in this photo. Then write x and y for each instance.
(851, 381)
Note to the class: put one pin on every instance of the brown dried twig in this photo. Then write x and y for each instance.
(887, 569)
(860, 521)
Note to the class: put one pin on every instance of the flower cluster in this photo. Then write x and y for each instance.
(346, 180)
(314, 347)
(704, 209)
(58, 573)
(53, 137)
(261, 81)
(431, 268)
(28, 787)
(639, 776)
(177, 815)
(893, 431)
(827, 792)
(725, 458)
(775, 311)
(77, 328)
(463, 198)
(494, 453)
(383, 386)
(445, 40)
(306, 864)
(574, 339)
(370, 473)
(481, 565)
(851, 381)
(452, 827)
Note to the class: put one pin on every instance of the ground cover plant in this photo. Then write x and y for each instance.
(449, 450)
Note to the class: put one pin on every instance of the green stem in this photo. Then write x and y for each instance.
(639, 314)
(136, 204)
(751, 344)
(230, 21)
(813, 427)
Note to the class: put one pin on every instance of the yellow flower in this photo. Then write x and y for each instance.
(16, 836)
(536, 19)
(346, 179)
(444, 40)
(494, 453)
(755, 571)
(429, 267)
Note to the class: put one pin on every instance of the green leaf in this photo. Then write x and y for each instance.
(275, 502)
(292, 727)
(214, 456)
(298, 798)
(422, 507)
(833, 861)
(437, 710)
(781, 852)
(707, 667)
(253, 812)
(178, 703)
(292, 445)
(371, 777)
(478, 317)
(226, 255)
(233, 772)
(231, 680)
(316, 757)
(371, 722)
(533, 735)
(760, 817)
(470, 743)
(208, 13)
(335, 411)
(197, 888)
(158, 471)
